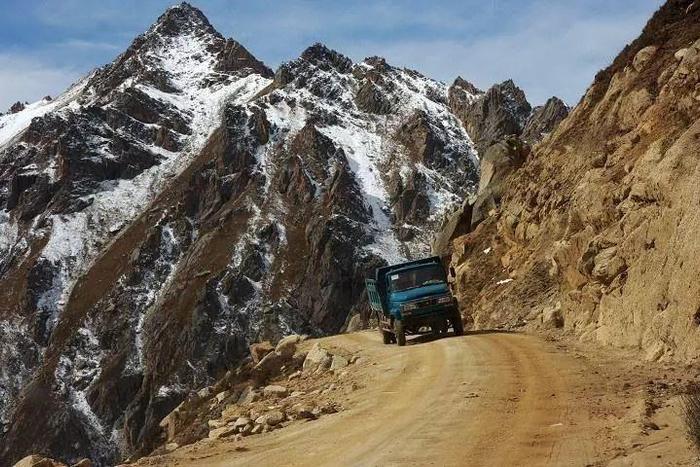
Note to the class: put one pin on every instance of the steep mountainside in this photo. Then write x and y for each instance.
(75, 172)
(597, 232)
(183, 202)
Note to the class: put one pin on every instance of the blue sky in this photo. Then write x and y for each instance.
(549, 47)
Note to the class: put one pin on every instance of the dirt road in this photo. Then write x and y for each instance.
(482, 399)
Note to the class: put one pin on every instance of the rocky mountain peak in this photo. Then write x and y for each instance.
(508, 85)
(501, 111)
(461, 83)
(183, 19)
(16, 107)
(376, 62)
(181, 50)
(315, 69)
(544, 119)
(326, 59)
(555, 102)
(513, 97)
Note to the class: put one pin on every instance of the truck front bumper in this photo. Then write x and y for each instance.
(427, 316)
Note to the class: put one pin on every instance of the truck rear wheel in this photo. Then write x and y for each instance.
(457, 324)
(387, 337)
(400, 333)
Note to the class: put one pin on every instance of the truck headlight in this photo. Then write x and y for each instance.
(445, 299)
(409, 307)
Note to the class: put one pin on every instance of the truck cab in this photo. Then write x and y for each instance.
(412, 296)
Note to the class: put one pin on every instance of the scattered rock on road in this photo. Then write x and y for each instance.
(241, 422)
(248, 396)
(339, 362)
(318, 359)
(285, 384)
(275, 390)
(222, 432)
(303, 411)
(272, 418)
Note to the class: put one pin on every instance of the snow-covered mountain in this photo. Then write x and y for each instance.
(184, 201)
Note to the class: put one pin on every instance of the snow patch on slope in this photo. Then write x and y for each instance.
(367, 142)
(8, 232)
(363, 150)
(11, 125)
(154, 283)
(19, 354)
(76, 239)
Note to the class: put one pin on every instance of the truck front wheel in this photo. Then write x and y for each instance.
(439, 328)
(400, 333)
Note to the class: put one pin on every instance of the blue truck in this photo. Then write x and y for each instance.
(412, 296)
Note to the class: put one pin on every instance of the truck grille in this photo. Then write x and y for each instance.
(427, 302)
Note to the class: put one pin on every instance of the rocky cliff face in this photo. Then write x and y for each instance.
(596, 233)
(183, 201)
(501, 112)
(488, 117)
(544, 119)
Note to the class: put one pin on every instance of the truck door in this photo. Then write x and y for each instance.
(375, 300)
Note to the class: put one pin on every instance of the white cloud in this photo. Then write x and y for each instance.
(548, 47)
(555, 51)
(79, 45)
(25, 79)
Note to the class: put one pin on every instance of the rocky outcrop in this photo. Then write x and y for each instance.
(501, 111)
(499, 161)
(462, 86)
(456, 224)
(596, 232)
(254, 399)
(16, 107)
(544, 119)
(461, 95)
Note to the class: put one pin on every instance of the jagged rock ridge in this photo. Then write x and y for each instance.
(502, 111)
(544, 119)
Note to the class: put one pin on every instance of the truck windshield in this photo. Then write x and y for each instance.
(413, 278)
